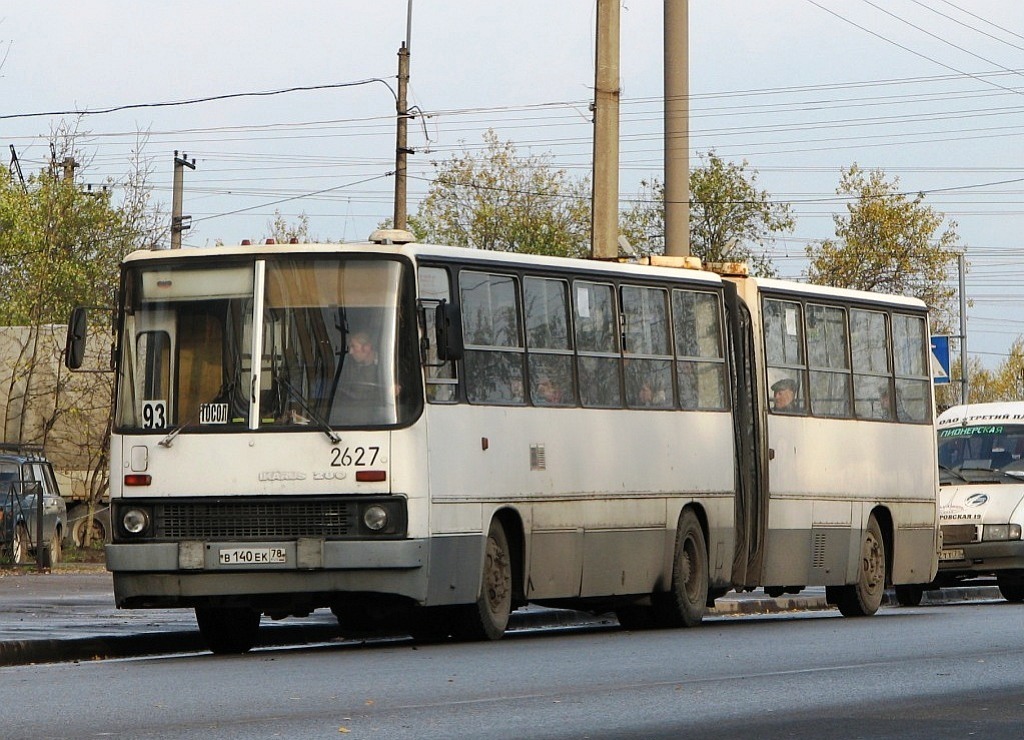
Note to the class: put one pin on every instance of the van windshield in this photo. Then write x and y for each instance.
(977, 450)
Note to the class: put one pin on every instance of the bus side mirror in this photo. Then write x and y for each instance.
(448, 323)
(74, 349)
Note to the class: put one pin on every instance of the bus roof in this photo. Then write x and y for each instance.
(847, 293)
(419, 251)
(982, 413)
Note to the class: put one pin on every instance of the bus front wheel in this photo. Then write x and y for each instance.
(488, 617)
(228, 630)
(684, 605)
(863, 598)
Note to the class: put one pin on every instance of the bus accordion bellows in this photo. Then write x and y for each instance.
(426, 438)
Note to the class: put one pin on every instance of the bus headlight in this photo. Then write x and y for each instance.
(375, 518)
(135, 521)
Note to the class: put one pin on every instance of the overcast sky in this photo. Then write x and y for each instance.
(928, 90)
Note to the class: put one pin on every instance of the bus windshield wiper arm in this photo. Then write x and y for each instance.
(294, 393)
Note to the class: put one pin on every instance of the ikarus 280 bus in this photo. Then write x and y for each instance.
(427, 438)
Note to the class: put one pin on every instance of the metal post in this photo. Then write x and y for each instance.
(677, 128)
(604, 229)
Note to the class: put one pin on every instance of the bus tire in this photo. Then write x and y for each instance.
(228, 630)
(863, 598)
(1011, 586)
(685, 603)
(909, 594)
(488, 617)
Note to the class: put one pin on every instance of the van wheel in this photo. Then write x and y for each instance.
(488, 617)
(228, 630)
(863, 598)
(909, 594)
(1011, 586)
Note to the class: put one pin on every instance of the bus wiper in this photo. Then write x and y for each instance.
(294, 393)
(953, 471)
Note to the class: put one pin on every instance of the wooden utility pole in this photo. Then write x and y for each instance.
(402, 150)
(604, 230)
(677, 128)
(179, 223)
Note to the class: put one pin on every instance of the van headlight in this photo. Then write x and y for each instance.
(1000, 532)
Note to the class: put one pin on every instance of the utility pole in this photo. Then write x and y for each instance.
(402, 150)
(961, 265)
(179, 223)
(604, 229)
(677, 128)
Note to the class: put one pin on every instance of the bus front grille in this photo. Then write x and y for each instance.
(255, 519)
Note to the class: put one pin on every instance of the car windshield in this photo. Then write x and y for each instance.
(336, 345)
(981, 453)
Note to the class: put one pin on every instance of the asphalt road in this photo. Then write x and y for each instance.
(947, 671)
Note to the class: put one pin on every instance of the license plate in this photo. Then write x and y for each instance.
(952, 554)
(252, 555)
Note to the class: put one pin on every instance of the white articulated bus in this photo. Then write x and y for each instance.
(433, 437)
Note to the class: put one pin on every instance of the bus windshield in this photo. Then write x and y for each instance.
(336, 345)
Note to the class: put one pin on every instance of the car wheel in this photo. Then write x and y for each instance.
(20, 547)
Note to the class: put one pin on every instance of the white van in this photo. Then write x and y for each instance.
(981, 477)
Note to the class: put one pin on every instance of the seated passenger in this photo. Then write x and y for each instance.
(784, 396)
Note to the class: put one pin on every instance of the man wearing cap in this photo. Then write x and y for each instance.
(784, 396)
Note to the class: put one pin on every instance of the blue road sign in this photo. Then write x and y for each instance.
(940, 359)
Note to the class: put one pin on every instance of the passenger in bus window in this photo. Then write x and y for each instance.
(784, 396)
(549, 393)
(360, 376)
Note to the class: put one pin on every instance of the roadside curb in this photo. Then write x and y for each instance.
(21, 652)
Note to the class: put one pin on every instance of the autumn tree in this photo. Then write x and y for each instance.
(890, 242)
(60, 246)
(497, 199)
(1005, 383)
(731, 219)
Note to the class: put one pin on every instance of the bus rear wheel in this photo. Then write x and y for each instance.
(228, 630)
(488, 617)
(684, 604)
(863, 598)
(909, 594)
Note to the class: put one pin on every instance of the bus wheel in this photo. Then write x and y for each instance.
(684, 605)
(228, 630)
(488, 617)
(909, 594)
(863, 598)
(1011, 586)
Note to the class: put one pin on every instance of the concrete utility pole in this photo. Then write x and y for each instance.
(604, 229)
(178, 222)
(964, 387)
(402, 150)
(677, 128)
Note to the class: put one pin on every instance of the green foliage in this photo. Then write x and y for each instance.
(60, 246)
(731, 220)
(1005, 383)
(888, 242)
(499, 200)
(283, 232)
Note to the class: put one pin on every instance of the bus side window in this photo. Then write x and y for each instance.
(491, 331)
(911, 349)
(597, 345)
